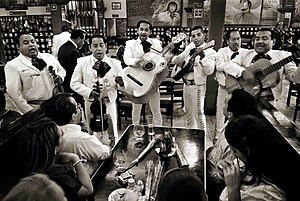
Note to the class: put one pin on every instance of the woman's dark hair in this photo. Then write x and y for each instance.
(37, 145)
(254, 138)
(59, 108)
(181, 184)
(242, 103)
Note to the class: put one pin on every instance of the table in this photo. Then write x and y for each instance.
(190, 141)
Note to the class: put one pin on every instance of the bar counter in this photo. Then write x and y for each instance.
(191, 142)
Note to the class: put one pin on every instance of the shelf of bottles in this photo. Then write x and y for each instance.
(40, 26)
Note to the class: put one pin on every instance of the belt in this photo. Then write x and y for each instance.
(36, 102)
(188, 82)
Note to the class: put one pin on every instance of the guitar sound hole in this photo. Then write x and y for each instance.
(258, 75)
(148, 66)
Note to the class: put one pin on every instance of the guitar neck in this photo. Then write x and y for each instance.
(278, 65)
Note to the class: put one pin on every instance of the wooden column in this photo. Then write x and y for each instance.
(215, 32)
(56, 18)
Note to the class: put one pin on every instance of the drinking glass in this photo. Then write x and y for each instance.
(150, 126)
(138, 132)
(119, 159)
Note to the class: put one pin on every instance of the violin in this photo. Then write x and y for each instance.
(58, 88)
(98, 120)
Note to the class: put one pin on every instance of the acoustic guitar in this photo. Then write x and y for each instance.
(143, 81)
(180, 70)
(264, 76)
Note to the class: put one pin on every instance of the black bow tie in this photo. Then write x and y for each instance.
(146, 46)
(234, 55)
(261, 56)
(38, 63)
(192, 51)
(102, 68)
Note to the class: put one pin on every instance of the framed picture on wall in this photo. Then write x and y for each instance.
(269, 12)
(243, 12)
(160, 13)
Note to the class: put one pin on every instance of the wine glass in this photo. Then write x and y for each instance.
(138, 132)
(119, 159)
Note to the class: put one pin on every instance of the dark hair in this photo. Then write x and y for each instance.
(265, 155)
(198, 27)
(65, 28)
(144, 21)
(242, 103)
(17, 39)
(2, 100)
(97, 36)
(37, 145)
(77, 33)
(267, 29)
(59, 108)
(174, 3)
(249, 3)
(180, 184)
(37, 187)
(227, 34)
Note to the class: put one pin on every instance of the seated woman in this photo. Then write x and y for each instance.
(259, 179)
(36, 188)
(40, 145)
(181, 184)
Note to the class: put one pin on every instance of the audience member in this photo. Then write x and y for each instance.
(194, 76)
(263, 43)
(225, 54)
(134, 51)
(60, 39)
(109, 74)
(236, 104)
(28, 77)
(40, 146)
(66, 113)
(181, 184)
(251, 141)
(68, 54)
(37, 187)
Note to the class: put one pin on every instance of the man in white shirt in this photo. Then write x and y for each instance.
(66, 113)
(263, 43)
(194, 79)
(133, 54)
(224, 55)
(29, 77)
(85, 77)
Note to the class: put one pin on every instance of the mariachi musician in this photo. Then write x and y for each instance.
(98, 68)
(193, 65)
(29, 77)
(134, 51)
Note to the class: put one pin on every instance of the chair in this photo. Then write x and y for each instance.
(166, 90)
(294, 90)
(124, 108)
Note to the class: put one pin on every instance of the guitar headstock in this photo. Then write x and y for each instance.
(178, 38)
